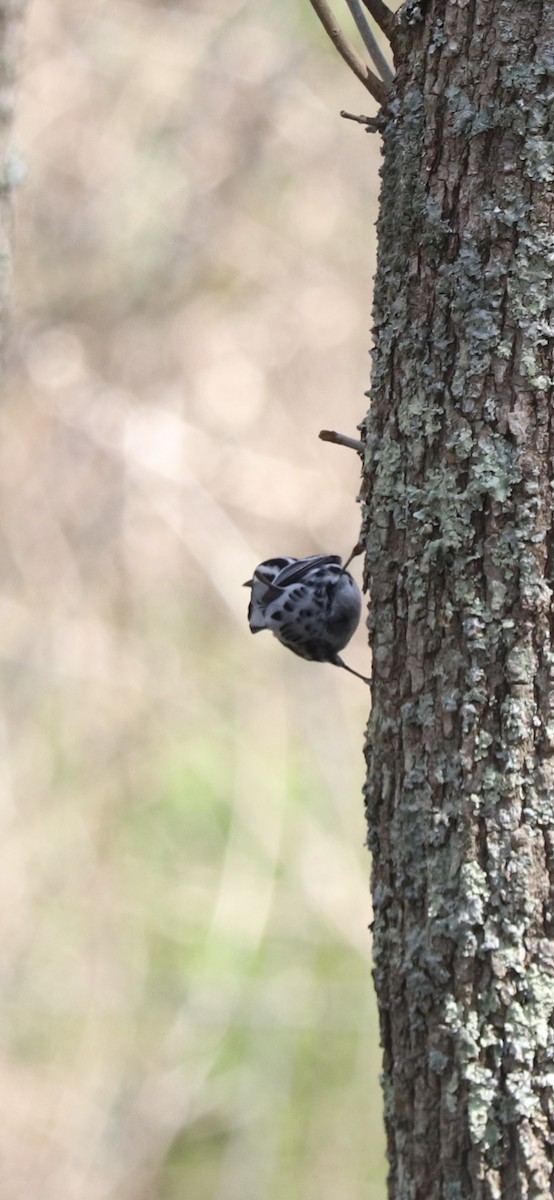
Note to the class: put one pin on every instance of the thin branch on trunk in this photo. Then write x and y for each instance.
(370, 41)
(372, 124)
(382, 16)
(370, 80)
(342, 439)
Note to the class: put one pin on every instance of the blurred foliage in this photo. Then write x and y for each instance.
(187, 1005)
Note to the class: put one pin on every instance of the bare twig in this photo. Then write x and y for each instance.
(372, 124)
(374, 85)
(382, 16)
(342, 439)
(370, 41)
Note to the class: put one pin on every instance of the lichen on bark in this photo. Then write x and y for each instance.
(457, 499)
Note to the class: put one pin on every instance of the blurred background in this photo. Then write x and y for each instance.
(187, 1006)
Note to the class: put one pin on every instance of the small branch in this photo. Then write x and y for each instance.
(374, 85)
(342, 439)
(382, 16)
(370, 41)
(372, 124)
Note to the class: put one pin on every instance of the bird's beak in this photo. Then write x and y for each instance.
(248, 583)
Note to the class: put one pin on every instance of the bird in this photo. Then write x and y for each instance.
(311, 605)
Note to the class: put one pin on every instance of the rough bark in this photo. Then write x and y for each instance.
(11, 17)
(458, 516)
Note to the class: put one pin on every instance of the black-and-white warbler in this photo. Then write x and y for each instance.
(312, 605)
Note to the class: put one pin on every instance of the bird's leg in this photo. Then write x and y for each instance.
(340, 663)
(358, 549)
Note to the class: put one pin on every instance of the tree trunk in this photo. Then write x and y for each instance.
(11, 15)
(458, 519)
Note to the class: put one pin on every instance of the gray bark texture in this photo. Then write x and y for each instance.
(458, 479)
(11, 23)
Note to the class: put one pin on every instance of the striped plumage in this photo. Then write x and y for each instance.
(312, 605)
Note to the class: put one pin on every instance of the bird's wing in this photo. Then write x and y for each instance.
(302, 567)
